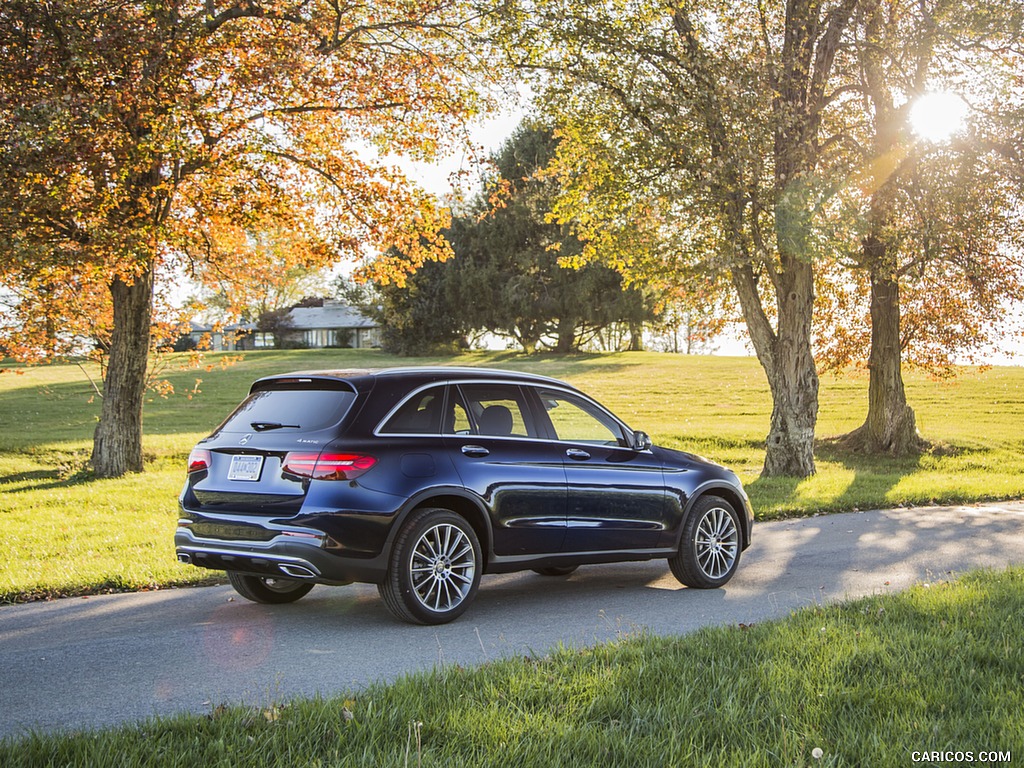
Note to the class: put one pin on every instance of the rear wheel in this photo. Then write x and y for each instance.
(709, 551)
(556, 570)
(434, 570)
(268, 589)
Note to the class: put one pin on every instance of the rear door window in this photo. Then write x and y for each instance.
(419, 415)
(498, 410)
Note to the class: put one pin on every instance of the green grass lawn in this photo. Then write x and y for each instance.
(869, 683)
(68, 534)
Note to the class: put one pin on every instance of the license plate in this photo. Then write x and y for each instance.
(245, 468)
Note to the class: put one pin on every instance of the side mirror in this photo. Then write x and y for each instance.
(641, 441)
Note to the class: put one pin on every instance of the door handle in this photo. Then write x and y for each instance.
(475, 450)
(578, 454)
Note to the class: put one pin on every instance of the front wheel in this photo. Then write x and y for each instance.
(709, 551)
(268, 589)
(434, 570)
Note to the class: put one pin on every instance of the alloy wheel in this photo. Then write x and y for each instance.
(442, 567)
(716, 542)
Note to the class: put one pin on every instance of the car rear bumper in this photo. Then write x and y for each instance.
(294, 553)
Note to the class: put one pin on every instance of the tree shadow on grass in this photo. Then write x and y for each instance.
(874, 478)
(46, 479)
(31, 477)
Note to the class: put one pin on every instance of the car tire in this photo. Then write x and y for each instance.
(434, 569)
(709, 551)
(268, 589)
(556, 570)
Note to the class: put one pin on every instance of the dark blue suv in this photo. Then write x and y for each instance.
(420, 480)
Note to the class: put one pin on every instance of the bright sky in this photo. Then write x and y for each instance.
(489, 135)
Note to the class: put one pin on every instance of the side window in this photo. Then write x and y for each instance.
(578, 421)
(498, 410)
(419, 415)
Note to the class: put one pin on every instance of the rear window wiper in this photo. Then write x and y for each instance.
(263, 426)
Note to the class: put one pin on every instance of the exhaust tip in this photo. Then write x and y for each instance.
(185, 558)
(297, 571)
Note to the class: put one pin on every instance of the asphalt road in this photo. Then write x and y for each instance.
(89, 662)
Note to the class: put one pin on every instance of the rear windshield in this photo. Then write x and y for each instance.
(290, 410)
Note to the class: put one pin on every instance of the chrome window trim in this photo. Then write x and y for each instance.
(536, 385)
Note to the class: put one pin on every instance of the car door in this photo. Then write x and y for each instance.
(616, 494)
(494, 441)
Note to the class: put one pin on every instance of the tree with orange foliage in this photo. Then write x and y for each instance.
(141, 138)
(934, 228)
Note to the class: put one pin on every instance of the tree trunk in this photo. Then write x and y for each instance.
(528, 343)
(793, 379)
(788, 363)
(566, 335)
(117, 443)
(636, 337)
(890, 427)
(789, 451)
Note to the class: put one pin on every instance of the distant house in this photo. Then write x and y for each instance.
(227, 338)
(333, 325)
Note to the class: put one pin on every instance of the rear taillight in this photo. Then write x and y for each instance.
(199, 460)
(327, 466)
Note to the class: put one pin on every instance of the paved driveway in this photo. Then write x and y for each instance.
(86, 662)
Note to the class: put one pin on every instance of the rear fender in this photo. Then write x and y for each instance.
(456, 499)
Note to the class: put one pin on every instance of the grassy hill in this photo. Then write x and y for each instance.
(67, 533)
